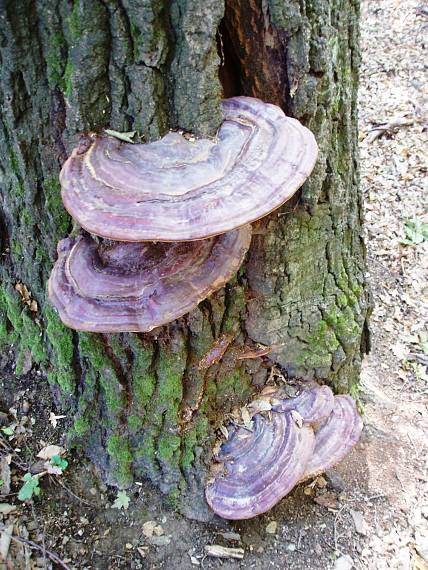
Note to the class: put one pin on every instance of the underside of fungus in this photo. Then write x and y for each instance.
(178, 188)
(299, 438)
(136, 287)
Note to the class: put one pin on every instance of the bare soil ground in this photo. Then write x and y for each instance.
(369, 513)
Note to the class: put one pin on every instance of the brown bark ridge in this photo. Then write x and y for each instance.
(142, 404)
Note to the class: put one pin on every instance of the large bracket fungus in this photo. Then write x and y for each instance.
(304, 436)
(177, 189)
(172, 190)
(136, 287)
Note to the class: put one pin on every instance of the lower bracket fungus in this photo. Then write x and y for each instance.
(261, 466)
(299, 438)
(136, 287)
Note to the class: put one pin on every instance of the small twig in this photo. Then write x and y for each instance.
(376, 132)
(336, 520)
(418, 357)
(400, 481)
(43, 536)
(378, 496)
(217, 551)
(32, 544)
(414, 447)
(84, 501)
(299, 539)
(7, 446)
(331, 546)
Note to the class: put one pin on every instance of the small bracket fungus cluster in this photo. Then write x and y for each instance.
(299, 438)
(200, 196)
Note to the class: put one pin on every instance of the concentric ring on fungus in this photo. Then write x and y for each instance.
(313, 404)
(175, 189)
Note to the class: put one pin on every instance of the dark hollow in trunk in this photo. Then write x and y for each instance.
(142, 405)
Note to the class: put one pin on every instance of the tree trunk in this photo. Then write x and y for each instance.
(141, 405)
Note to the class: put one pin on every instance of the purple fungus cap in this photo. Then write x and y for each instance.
(135, 287)
(336, 436)
(314, 404)
(176, 189)
(260, 466)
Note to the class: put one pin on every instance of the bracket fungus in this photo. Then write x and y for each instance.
(136, 287)
(176, 189)
(260, 466)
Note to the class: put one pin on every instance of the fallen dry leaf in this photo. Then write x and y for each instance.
(272, 527)
(297, 418)
(256, 353)
(218, 551)
(5, 538)
(260, 405)
(151, 528)
(26, 297)
(224, 431)
(7, 509)
(5, 474)
(320, 482)
(419, 563)
(50, 451)
(216, 352)
(268, 390)
(246, 418)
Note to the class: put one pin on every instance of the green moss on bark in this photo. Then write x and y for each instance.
(121, 460)
(22, 330)
(61, 362)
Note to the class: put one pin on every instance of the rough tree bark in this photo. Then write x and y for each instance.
(142, 407)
